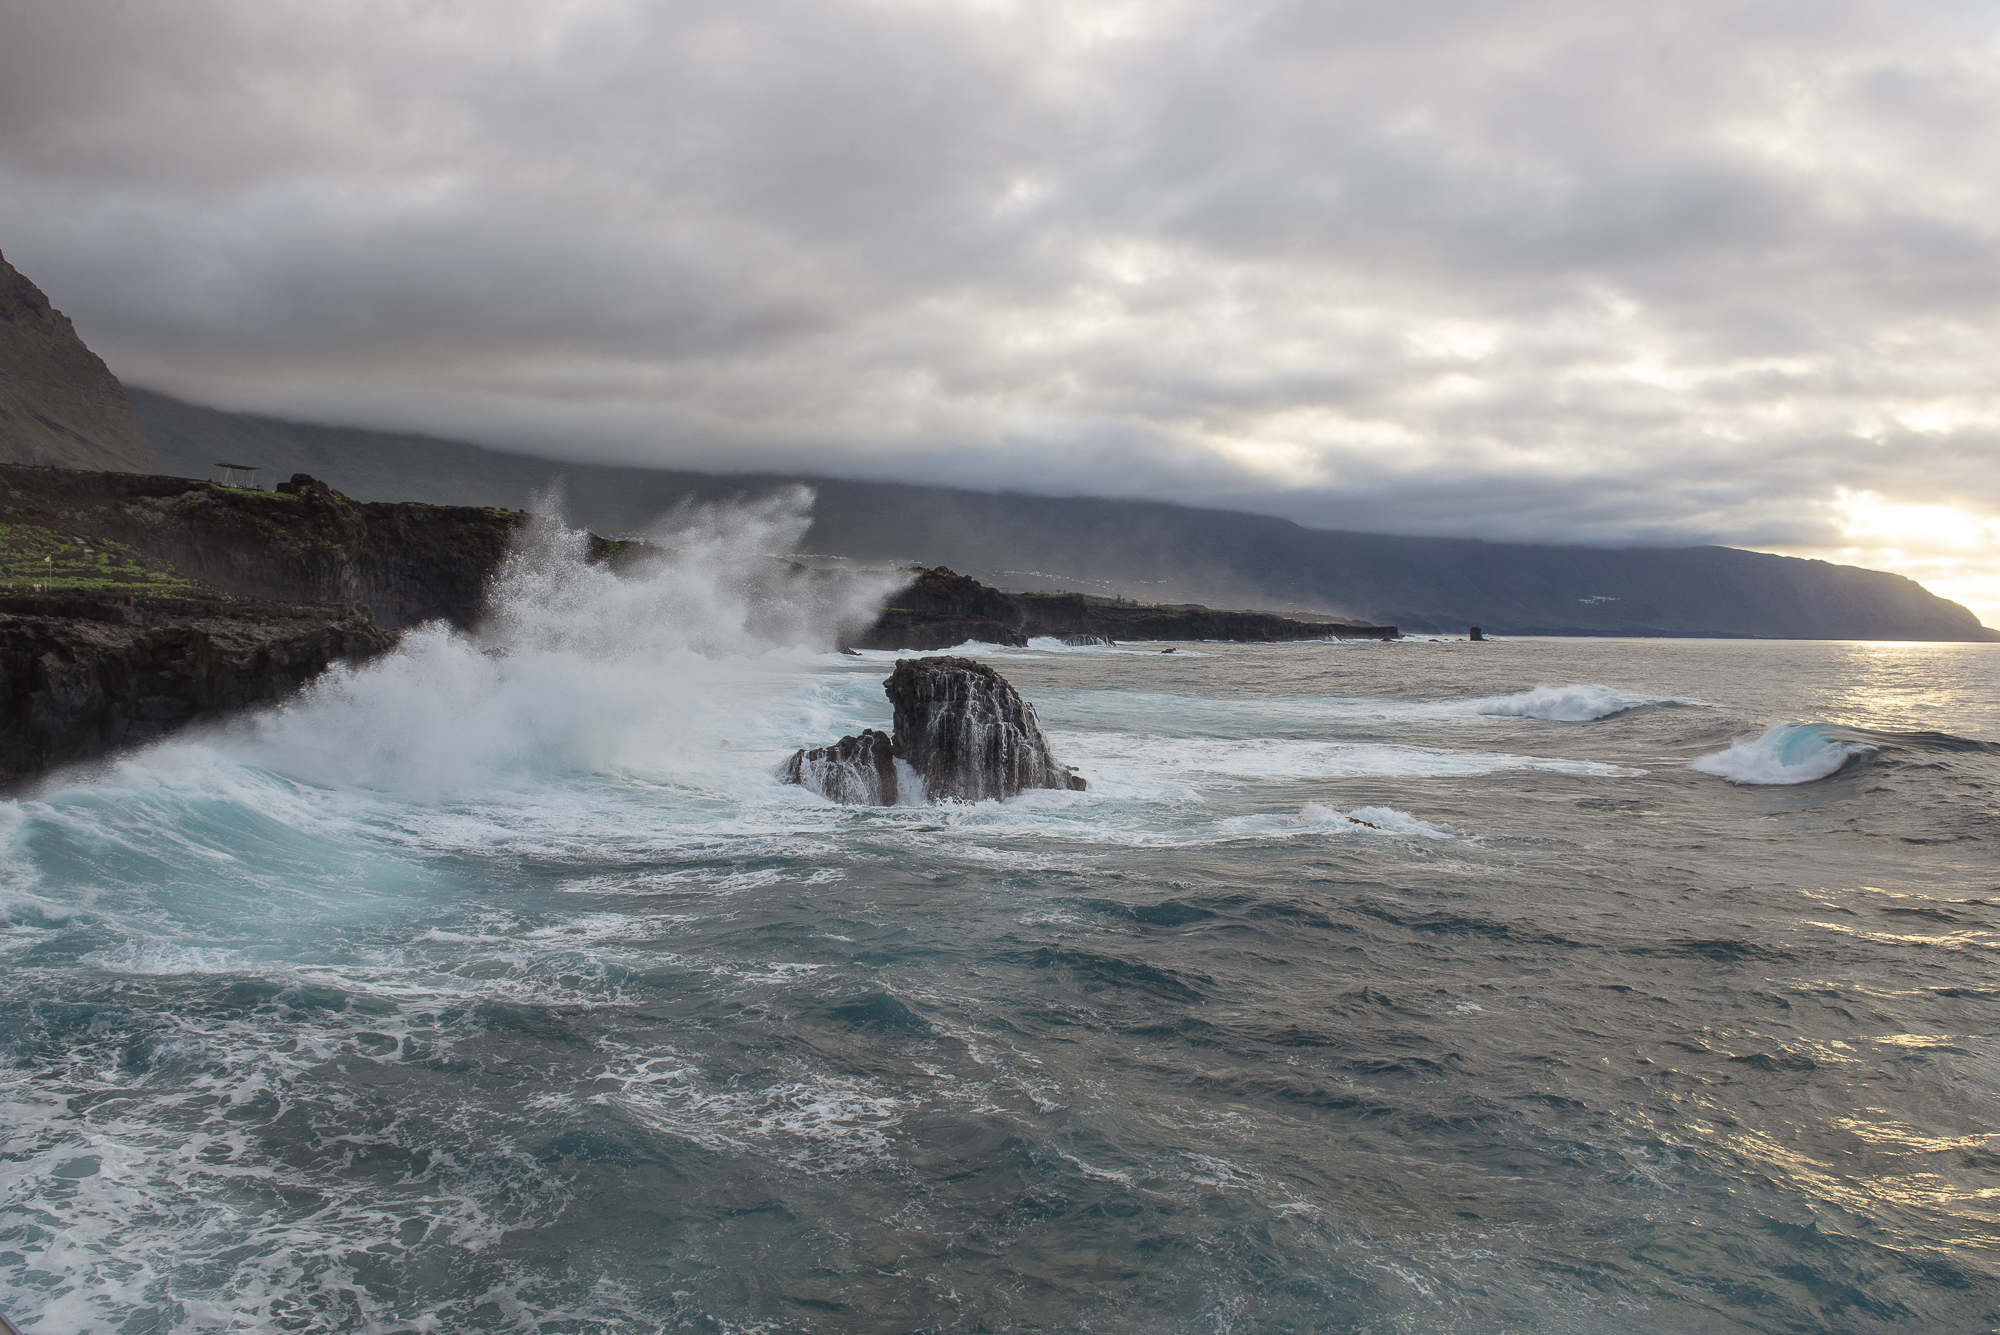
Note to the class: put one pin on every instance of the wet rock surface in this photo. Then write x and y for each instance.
(860, 771)
(967, 733)
(962, 731)
(83, 675)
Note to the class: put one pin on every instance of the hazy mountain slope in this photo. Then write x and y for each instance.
(1143, 549)
(59, 403)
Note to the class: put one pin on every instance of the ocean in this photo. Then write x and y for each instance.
(1528, 985)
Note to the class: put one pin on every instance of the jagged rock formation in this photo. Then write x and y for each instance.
(304, 543)
(164, 601)
(940, 608)
(962, 732)
(82, 675)
(967, 733)
(59, 402)
(859, 771)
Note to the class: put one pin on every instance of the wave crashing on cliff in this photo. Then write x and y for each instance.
(581, 665)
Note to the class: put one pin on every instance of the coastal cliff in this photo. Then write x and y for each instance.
(132, 605)
(1169, 553)
(82, 675)
(304, 543)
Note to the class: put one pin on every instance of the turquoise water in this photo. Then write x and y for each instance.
(1526, 986)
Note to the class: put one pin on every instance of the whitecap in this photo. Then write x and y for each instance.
(1785, 753)
(1570, 704)
(1381, 820)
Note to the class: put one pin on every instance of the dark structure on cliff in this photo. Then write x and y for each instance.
(963, 733)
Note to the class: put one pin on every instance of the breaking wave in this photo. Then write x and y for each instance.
(1785, 753)
(579, 667)
(1570, 704)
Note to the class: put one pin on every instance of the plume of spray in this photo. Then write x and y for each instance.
(648, 660)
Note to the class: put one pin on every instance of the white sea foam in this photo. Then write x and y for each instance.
(1569, 704)
(1783, 754)
(1383, 820)
(1261, 713)
(701, 648)
(1293, 758)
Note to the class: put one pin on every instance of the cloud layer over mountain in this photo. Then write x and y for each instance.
(1514, 268)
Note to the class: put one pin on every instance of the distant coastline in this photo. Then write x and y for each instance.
(1142, 550)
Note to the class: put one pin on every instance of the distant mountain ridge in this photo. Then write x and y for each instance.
(59, 402)
(1141, 549)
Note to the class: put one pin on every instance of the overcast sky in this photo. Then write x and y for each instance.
(1576, 271)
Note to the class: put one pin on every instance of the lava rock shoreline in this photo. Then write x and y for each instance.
(940, 609)
(221, 598)
(84, 676)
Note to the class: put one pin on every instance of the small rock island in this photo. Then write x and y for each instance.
(961, 732)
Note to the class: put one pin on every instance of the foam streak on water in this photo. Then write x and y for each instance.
(501, 986)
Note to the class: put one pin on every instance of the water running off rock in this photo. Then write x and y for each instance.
(961, 731)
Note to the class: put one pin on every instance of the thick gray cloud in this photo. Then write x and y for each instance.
(1557, 271)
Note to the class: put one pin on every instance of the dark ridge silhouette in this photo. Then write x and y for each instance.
(59, 403)
(1147, 550)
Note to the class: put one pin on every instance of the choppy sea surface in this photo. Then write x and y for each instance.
(1534, 985)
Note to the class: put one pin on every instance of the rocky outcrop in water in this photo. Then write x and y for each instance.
(859, 771)
(83, 675)
(961, 732)
(967, 733)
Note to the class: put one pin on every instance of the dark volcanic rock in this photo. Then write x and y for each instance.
(967, 733)
(83, 675)
(304, 543)
(899, 628)
(860, 771)
(960, 727)
(59, 403)
(939, 609)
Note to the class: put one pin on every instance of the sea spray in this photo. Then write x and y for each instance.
(578, 666)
